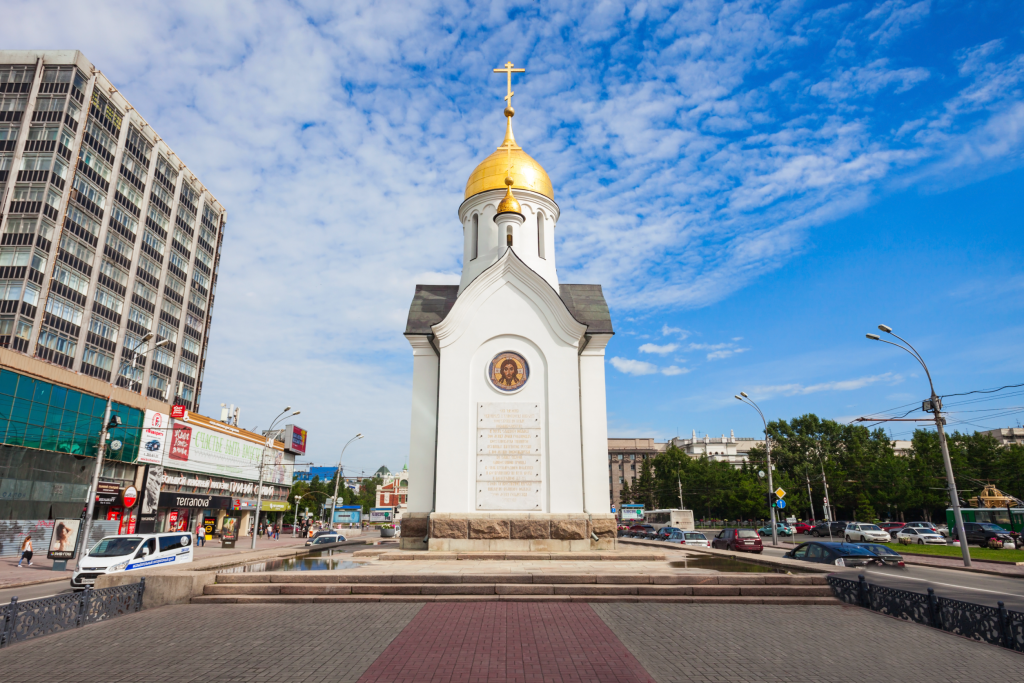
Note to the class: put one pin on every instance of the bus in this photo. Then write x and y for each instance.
(680, 519)
(1000, 516)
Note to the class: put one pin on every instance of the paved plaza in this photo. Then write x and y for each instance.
(409, 642)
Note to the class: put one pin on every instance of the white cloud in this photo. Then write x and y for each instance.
(674, 331)
(673, 370)
(655, 348)
(868, 80)
(898, 15)
(634, 367)
(724, 353)
(842, 385)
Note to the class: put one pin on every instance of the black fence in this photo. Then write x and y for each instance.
(994, 625)
(34, 618)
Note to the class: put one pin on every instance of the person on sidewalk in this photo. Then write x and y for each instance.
(26, 550)
(201, 535)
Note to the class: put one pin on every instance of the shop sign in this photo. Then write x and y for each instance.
(154, 433)
(130, 496)
(381, 514)
(275, 506)
(193, 500)
(209, 524)
(199, 444)
(178, 412)
(245, 504)
(295, 439)
(229, 528)
(107, 494)
(348, 516)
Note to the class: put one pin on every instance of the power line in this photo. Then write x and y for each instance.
(984, 391)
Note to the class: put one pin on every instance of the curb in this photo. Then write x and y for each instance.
(7, 586)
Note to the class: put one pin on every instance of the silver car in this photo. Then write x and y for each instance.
(866, 533)
(909, 534)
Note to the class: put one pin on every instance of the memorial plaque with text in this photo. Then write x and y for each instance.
(509, 447)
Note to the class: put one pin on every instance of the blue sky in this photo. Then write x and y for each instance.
(756, 185)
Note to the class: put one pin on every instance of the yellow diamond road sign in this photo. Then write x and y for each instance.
(780, 493)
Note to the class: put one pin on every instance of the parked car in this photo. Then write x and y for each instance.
(783, 529)
(920, 536)
(825, 528)
(943, 529)
(324, 539)
(803, 527)
(859, 531)
(689, 538)
(743, 540)
(891, 528)
(640, 530)
(886, 555)
(664, 532)
(839, 554)
(979, 533)
(922, 525)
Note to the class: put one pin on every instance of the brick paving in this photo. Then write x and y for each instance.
(223, 643)
(524, 642)
(783, 644)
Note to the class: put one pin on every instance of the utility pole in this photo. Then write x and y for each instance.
(768, 447)
(810, 501)
(680, 483)
(934, 406)
(91, 508)
(263, 461)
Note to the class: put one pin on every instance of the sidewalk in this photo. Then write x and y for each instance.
(41, 570)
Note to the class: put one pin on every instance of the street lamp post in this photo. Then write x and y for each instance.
(104, 435)
(337, 481)
(768, 446)
(263, 461)
(935, 408)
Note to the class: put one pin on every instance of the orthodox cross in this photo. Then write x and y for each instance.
(508, 71)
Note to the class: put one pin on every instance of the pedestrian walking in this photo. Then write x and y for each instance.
(201, 535)
(26, 550)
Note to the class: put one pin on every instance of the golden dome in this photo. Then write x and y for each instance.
(527, 173)
(509, 204)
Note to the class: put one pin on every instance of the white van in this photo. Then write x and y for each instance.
(128, 552)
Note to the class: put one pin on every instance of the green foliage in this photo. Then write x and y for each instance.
(866, 479)
(625, 495)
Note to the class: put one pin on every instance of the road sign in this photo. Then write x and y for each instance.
(780, 493)
(761, 474)
(781, 504)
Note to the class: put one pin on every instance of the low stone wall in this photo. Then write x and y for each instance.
(508, 531)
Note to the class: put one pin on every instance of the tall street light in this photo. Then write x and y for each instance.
(105, 434)
(934, 406)
(337, 481)
(263, 461)
(768, 445)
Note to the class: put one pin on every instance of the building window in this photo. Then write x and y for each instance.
(51, 339)
(474, 238)
(620, 480)
(64, 309)
(113, 272)
(109, 299)
(540, 236)
(76, 248)
(98, 359)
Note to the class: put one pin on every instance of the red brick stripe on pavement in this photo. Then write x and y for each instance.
(491, 642)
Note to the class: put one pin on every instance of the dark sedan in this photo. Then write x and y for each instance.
(837, 529)
(839, 554)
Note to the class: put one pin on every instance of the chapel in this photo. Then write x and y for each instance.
(508, 443)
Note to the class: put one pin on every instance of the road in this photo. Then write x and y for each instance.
(40, 590)
(983, 589)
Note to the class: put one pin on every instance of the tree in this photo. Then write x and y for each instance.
(625, 495)
(864, 512)
(644, 492)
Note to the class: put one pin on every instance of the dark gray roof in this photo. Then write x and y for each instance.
(587, 304)
(431, 303)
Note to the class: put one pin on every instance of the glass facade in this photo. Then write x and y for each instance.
(37, 414)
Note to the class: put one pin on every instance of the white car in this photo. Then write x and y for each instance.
(866, 533)
(920, 536)
(129, 552)
(689, 538)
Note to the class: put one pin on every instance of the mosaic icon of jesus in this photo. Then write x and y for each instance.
(508, 372)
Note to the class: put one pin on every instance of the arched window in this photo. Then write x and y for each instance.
(540, 236)
(508, 237)
(474, 238)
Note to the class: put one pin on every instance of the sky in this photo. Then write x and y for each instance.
(756, 186)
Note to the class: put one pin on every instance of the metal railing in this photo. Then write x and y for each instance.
(33, 618)
(986, 624)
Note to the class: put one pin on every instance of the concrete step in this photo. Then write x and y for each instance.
(669, 579)
(573, 589)
(434, 556)
(693, 599)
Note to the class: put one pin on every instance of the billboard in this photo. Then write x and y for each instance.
(199, 444)
(632, 513)
(64, 539)
(154, 433)
(295, 439)
(381, 514)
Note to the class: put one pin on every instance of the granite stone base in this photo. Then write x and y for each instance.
(508, 531)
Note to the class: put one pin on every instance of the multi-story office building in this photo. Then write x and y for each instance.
(107, 236)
